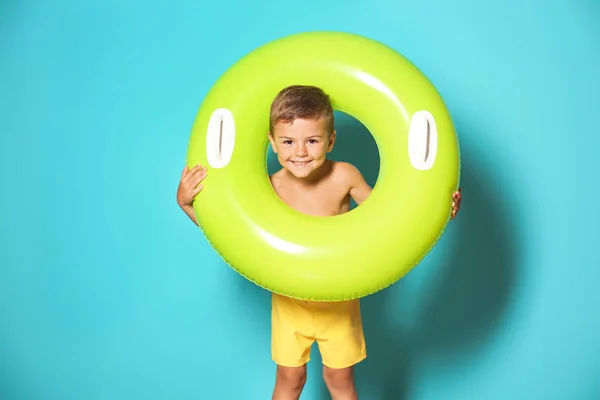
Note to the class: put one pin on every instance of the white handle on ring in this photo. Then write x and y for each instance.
(220, 138)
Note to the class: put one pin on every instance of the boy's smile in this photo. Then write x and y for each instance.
(301, 146)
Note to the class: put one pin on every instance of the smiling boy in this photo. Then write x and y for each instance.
(301, 133)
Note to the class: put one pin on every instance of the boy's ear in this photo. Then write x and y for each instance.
(272, 140)
(332, 138)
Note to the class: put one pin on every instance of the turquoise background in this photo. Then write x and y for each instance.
(108, 291)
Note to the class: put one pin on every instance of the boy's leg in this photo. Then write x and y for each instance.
(342, 344)
(340, 383)
(289, 382)
(291, 341)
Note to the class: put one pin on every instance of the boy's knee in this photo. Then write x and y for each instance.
(293, 378)
(339, 380)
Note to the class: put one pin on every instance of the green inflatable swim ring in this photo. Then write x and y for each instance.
(325, 258)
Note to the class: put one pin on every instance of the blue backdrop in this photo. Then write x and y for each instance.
(108, 291)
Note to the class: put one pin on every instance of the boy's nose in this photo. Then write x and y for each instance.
(301, 151)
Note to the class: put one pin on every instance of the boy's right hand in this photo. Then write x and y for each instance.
(190, 186)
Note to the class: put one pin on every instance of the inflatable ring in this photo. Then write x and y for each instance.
(325, 258)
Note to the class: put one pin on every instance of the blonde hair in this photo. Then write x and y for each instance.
(298, 101)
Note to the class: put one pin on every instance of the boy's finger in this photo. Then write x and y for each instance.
(201, 172)
(197, 168)
(185, 169)
(199, 181)
(191, 173)
(197, 189)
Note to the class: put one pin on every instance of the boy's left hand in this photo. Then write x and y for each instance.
(456, 200)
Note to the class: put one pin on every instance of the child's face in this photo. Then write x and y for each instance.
(301, 146)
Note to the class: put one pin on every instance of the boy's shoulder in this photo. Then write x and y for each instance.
(345, 171)
(277, 177)
(344, 167)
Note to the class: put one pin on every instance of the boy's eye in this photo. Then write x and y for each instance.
(313, 141)
(287, 142)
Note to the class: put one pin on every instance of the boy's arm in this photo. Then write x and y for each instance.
(359, 188)
(189, 211)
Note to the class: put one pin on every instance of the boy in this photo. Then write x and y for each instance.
(301, 134)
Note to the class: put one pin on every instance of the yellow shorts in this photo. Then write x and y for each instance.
(336, 327)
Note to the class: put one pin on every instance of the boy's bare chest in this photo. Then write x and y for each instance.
(319, 201)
